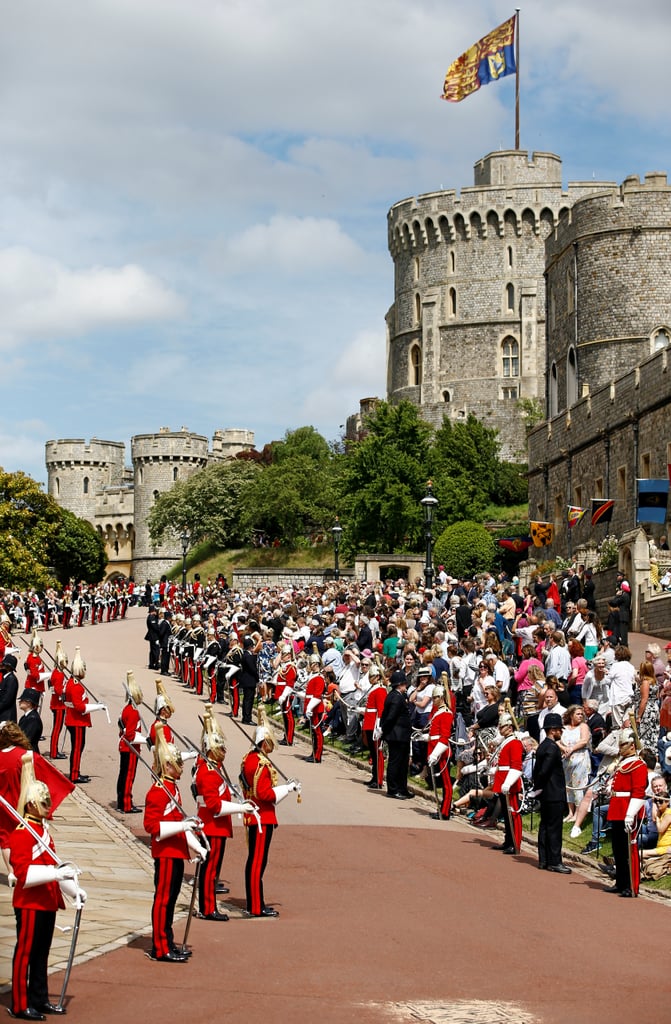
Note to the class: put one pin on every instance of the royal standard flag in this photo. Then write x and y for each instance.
(542, 534)
(602, 510)
(516, 544)
(652, 500)
(491, 58)
(574, 514)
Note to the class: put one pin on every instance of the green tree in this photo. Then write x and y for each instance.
(465, 548)
(384, 479)
(76, 551)
(464, 464)
(211, 505)
(29, 520)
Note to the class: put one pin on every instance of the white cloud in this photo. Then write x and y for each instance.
(292, 245)
(355, 371)
(40, 297)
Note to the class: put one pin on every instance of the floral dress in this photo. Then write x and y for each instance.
(648, 728)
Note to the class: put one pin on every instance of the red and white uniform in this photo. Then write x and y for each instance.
(259, 780)
(509, 769)
(315, 687)
(212, 796)
(129, 724)
(375, 699)
(57, 705)
(35, 909)
(284, 686)
(164, 804)
(35, 668)
(77, 721)
(627, 801)
(440, 731)
(167, 732)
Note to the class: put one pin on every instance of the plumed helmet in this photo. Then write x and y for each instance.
(162, 701)
(165, 753)
(625, 737)
(32, 791)
(78, 665)
(213, 741)
(505, 720)
(314, 659)
(60, 657)
(35, 643)
(133, 689)
(263, 732)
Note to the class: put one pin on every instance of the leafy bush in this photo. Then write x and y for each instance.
(465, 549)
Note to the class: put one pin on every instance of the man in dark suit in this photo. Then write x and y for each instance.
(152, 638)
(397, 730)
(9, 688)
(549, 782)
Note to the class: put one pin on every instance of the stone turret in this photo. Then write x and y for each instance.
(77, 471)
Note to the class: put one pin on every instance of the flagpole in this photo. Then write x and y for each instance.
(517, 78)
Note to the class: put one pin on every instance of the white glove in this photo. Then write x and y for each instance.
(70, 889)
(283, 791)
(41, 874)
(437, 753)
(43, 676)
(377, 732)
(635, 805)
(196, 848)
(139, 738)
(88, 708)
(511, 778)
(311, 705)
(188, 755)
(227, 807)
(167, 829)
(11, 879)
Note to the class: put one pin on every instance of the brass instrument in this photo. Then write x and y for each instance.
(634, 729)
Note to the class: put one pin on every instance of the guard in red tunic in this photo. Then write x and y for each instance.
(39, 881)
(439, 750)
(173, 840)
(371, 727)
(625, 813)
(57, 704)
(233, 663)
(508, 786)
(78, 710)
(259, 784)
(35, 667)
(215, 807)
(285, 683)
(130, 740)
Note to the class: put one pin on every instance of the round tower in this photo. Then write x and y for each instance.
(608, 287)
(77, 471)
(159, 461)
(226, 444)
(466, 332)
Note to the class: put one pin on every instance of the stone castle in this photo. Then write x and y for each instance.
(467, 330)
(92, 480)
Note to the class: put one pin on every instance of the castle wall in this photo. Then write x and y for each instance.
(159, 461)
(77, 471)
(469, 291)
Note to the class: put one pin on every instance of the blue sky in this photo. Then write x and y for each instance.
(194, 193)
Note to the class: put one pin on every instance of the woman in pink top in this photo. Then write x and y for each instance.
(578, 671)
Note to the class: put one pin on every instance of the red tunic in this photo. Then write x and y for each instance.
(629, 783)
(24, 850)
(259, 781)
(129, 720)
(212, 790)
(374, 703)
(167, 732)
(34, 667)
(57, 684)
(286, 677)
(511, 755)
(315, 687)
(161, 806)
(76, 699)
(440, 728)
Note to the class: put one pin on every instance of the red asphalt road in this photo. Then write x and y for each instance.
(378, 905)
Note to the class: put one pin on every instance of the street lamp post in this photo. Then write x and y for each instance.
(337, 534)
(184, 538)
(429, 503)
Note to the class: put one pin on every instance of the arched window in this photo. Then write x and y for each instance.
(553, 393)
(447, 397)
(509, 257)
(418, 310)
(510, 298)
(415, 366)
(86, 485)
(156, 494)
(660, 339)
(57, 487)
(453, 262)
(510, 355)
(416, 267)
(571, 377)
(174, 473)
(452, 302)
(140, 475)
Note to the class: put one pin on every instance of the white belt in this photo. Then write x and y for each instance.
(620, 794)
(503, 768)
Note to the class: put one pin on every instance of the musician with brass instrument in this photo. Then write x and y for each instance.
(259, 780)
(507, 783)
(625, 813)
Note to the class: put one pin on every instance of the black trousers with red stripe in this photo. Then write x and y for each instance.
(34, 932)
(124, 783)
(59, 718)
(258, 843)
(168, 875)
(209, 873)
(289, 722)
(376, 756)
(77, 744)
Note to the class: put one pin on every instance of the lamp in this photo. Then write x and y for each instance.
(336, 530)
(429, 503)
